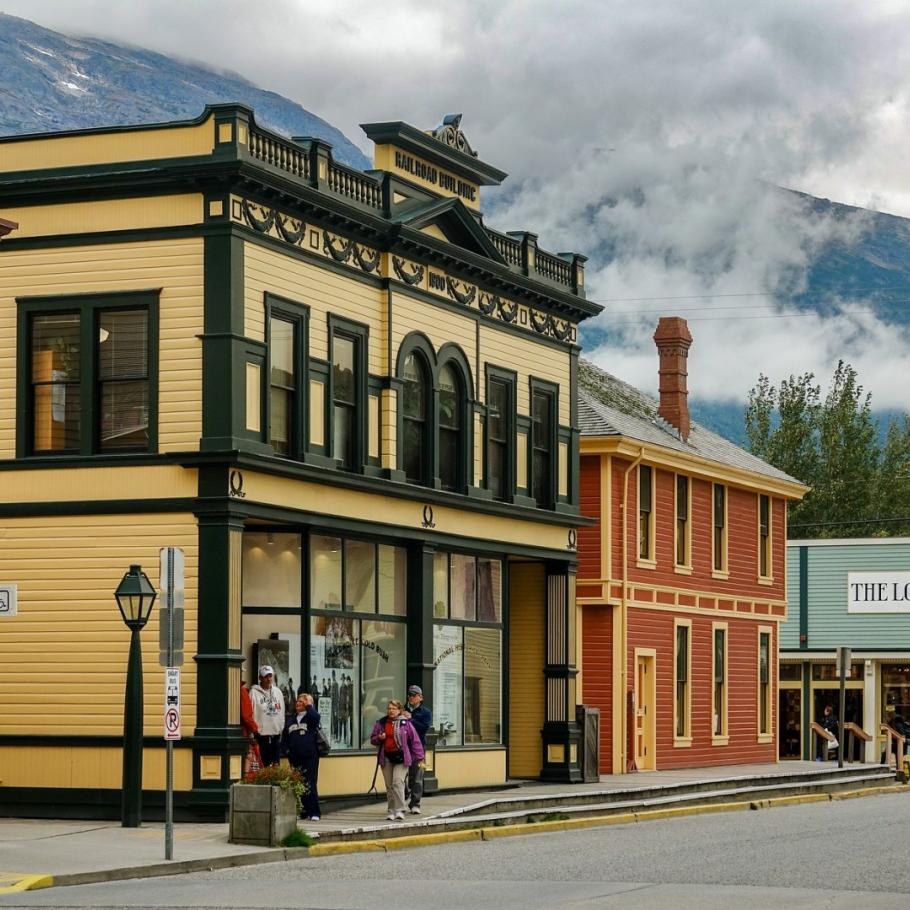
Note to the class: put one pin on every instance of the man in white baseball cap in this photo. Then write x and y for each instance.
(268, 712)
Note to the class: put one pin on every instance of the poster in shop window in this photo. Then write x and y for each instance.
(332, 665)
(448, 650)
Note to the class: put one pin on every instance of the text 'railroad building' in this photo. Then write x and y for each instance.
(350, 403)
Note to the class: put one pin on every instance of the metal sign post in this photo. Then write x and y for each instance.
(171, 643)
(843, 668)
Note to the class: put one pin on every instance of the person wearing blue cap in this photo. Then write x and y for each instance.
(422, 719)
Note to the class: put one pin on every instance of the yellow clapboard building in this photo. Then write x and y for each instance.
(345, 398)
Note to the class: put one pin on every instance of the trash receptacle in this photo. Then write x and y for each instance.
(588, 720)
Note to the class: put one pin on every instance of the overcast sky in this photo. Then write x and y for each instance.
(671, 115)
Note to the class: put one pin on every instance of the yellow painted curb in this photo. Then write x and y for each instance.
(428, 840)
(24, 882)
(871, 791)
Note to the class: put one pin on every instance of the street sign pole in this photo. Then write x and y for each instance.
(169, 745)
(171, 645)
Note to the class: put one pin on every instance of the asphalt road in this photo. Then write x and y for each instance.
(841, 854)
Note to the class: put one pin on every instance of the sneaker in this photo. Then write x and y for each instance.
(391, 816)
(314, 818)
(399, 816)
(415, 810)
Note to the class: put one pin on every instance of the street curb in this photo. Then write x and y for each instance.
(25, 882)
(486, 833)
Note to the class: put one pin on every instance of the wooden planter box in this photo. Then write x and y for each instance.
(261, 814)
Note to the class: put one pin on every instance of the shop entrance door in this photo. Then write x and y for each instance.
(789, 736)
(644, 711)
(853, 713)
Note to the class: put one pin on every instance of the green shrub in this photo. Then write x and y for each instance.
(298, 838)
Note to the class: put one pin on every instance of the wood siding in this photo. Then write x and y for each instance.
(597, 684)
(527, 697)
(528, 358)
(589, 566)
(175, 266)
(322, 290)
(65, 651)
(654, 629)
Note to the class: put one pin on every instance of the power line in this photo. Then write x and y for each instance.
(897, 287)
(858, 521)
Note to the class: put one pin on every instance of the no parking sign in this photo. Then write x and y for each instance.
(172, 703)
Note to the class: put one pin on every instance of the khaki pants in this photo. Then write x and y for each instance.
(394, 777)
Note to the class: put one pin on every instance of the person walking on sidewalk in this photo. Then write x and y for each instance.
(268, 713)
(298, 743)
(399, 747)
(422, 719)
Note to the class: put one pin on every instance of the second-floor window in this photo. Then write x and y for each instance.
(282, 385)
(415, 410)
(719, 525)
(345, 382)
(500, 434)
(645, 503)
(89, 387)
(764, 536)
(451, 398)
(682, 520)
(542, 427)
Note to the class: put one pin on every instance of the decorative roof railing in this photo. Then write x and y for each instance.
(311, 160)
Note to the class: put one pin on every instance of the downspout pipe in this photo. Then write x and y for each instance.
(628, 763)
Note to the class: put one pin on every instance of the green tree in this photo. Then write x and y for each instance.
(858, 488)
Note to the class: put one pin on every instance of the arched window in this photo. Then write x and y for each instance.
(414, 410)
(451, 399)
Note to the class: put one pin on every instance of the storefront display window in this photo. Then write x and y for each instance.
(393, 580)
(467, 649)
(482, 674)
(359, 576)
(273, 639)
(325, 573)
(384, 666)
(895, 690)
(790, 672)
(271, 569)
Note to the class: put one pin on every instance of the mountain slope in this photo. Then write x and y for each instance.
(54, 82)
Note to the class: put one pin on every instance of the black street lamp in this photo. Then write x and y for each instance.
(135, 596)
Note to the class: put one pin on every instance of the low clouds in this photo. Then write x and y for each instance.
(648, 135)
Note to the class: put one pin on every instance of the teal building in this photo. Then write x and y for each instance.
(853, 593)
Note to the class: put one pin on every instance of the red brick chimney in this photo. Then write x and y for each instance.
(673, 340)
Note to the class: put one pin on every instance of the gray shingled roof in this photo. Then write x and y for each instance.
(607, 406)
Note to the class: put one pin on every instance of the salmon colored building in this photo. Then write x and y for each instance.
(682, 583)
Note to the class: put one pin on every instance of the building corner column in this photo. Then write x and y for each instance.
(561, 734)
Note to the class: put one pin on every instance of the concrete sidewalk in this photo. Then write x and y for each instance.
(74, 852)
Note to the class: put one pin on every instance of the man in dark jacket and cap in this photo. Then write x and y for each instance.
(422, 719)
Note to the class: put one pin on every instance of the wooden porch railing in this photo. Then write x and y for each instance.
(894, 745)
(820, 739)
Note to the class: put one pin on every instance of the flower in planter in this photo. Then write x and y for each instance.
(280, 776)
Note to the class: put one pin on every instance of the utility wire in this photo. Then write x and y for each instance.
(858, 521)
(897, 287)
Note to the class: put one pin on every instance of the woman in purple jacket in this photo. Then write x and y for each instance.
(399, 747)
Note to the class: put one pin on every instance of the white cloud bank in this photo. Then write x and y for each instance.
(646, 134)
